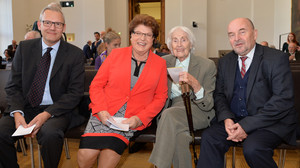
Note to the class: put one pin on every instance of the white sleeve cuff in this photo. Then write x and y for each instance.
(200, 94)
(19, 111)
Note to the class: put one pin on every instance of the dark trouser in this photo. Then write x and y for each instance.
(258, 148)
(50, 137)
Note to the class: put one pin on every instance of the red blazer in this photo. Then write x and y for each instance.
(110, 89)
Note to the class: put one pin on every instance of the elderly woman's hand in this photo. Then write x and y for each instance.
(190, 80)
(133, 122)
(104, 115)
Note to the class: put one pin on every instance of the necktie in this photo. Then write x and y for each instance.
(243, 70)
(36, 91)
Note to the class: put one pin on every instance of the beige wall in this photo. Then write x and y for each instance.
(271, 18)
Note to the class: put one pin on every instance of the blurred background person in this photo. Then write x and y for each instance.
(12, 48)
(290, 39)
(32, 35)
(111, 40)
(132, 84)
(264, 43)
(172, 144)
(87, 50)
(294, 55)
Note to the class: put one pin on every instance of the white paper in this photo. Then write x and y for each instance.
(174, 73)
(116, 123)
(23, 131)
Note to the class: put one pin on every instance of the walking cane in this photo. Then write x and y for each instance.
(187, 103)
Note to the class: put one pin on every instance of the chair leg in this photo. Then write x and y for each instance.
(31, 151)
(22, 145)
(225, 160)
(67, 148)
(233, 156)
(283, 158)
(280, 158)
(40, 157)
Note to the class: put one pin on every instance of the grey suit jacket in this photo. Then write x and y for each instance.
(204, 70)
(66, 81)
(270, 94)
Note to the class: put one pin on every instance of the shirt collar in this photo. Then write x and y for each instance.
(54, 47)
(184, 63)
(250, 54)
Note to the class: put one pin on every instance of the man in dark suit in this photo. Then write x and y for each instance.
(294, 54)
(59, 95)
(87, 50)
(254, 101)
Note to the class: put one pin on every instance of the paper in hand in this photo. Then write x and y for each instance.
(174, 73)
(23, 131)
(116, 123)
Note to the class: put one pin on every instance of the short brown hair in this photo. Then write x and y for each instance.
(145, 20)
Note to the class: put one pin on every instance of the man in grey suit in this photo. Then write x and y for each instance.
(254, 101)
(172, 136)
(60, 90)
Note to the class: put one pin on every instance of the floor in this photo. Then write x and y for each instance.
(140, 158)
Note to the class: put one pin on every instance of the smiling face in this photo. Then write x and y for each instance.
(52, 34)
(140, 40)
(242, 36)
(181, 45)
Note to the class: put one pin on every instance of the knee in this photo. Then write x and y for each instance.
(50, 136)
(250, 151)
(87, 157)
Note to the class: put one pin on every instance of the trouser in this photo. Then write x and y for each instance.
(50, 137)
(258, 147)
(173, 138)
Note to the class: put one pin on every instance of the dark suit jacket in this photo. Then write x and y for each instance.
(66, 81)
(87, 51)
(270, 96)
(94, 48)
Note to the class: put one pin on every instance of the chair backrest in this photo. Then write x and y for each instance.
(3, 80)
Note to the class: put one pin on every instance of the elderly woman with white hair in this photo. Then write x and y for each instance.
(172, 136)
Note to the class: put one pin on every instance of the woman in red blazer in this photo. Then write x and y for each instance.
(131, 84)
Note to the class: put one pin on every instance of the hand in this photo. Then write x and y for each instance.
(104, 115)
(238, 135)
(39, 120)
(19, 120)
(190, 80)
(133, 122)
(228, 126)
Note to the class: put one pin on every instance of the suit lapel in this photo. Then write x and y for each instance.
(171, 62)
(254, 68)
(231, 69)
(60, 57)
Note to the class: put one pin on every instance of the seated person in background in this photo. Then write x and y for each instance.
(290, 39)
(87, 50)
(7, 56)
(111, 40)
(164, 50)
(253, 101)
(126, 87)
(172, 137)
(32, 35)
(45, 85)
(264, 43)
(12, 48)
(294, 54)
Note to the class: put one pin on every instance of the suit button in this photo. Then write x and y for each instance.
(208, 117)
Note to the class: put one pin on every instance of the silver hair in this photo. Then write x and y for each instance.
(190, 36)
(52, 7)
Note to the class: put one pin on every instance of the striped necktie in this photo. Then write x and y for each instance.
(243, 70)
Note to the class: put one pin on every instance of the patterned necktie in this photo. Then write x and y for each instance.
(243, 70)
(36, 91)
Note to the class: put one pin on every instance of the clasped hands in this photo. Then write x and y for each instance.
(133, 121)
(234, 130)
(38, 120)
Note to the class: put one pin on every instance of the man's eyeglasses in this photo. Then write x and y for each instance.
(140, 34)
(48, 23)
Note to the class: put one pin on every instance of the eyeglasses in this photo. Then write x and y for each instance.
(140, 34)
(48, 23)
